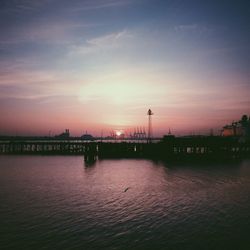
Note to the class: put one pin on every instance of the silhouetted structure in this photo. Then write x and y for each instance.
(139, 134)
(150, 113)
(236, 144)
(198, 147)
(64, 135)
(87, 137)
(240, 128)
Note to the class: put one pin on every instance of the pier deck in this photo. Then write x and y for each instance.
(168, 147)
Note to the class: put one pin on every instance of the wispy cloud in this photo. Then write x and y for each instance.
(110, 39)
(101, 4)
(23, 5)
(27, 84)
(45, 31)
(59, 31)
(193, 28)
(102, 43)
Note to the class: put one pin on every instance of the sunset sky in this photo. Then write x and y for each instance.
(99, 65)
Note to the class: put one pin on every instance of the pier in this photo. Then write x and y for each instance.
(168, 147)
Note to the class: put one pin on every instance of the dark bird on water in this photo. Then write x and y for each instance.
(126, 189)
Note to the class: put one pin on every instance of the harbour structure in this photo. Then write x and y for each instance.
(64, 135)
(139, 134)
(234, 129)
(169, 147)
(87, 137)
(239, 128)
(150, 129)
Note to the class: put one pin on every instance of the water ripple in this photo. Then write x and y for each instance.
(55, 202)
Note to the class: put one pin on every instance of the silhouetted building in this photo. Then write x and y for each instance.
(169, 137)
(64, 135)
(87, 137)
(240, 128)
(232, 130)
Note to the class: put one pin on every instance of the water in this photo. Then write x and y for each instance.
(56, 202)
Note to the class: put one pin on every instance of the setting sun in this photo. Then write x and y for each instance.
(118, 133)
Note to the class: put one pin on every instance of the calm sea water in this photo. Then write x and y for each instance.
(56, 202)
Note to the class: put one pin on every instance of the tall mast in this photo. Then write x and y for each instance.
(150, 131)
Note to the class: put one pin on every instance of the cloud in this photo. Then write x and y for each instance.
(101, 4)
(22, 92)
(59, 31)
(102, 43)
(44, 31)
(110, 39)
(25, 84)
(193, 28)
(23, 5)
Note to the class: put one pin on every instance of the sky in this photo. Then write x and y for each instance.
(99, 65)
